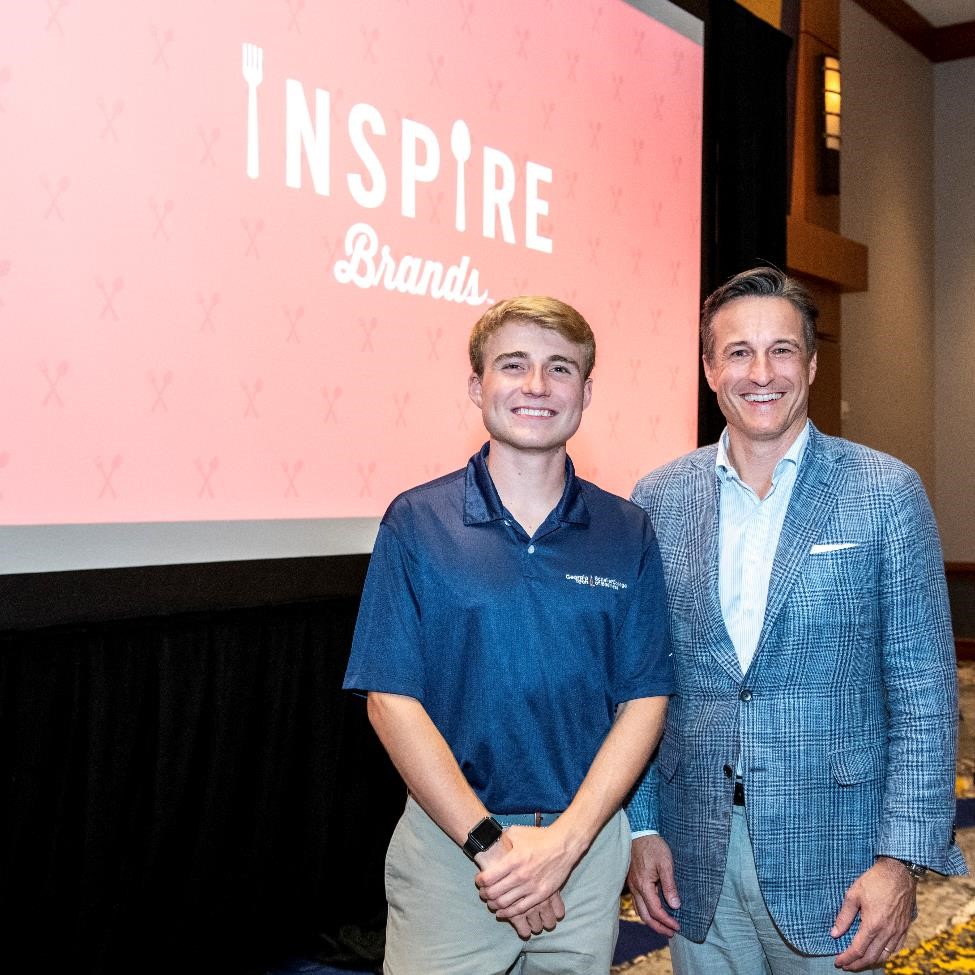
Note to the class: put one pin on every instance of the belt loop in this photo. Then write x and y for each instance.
(538, 818)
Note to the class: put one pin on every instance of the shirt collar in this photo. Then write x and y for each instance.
(794, 455)
(482, 503)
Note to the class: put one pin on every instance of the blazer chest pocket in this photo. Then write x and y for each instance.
(861, 763)
(844, 569)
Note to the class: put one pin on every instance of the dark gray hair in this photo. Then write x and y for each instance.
(763, 282)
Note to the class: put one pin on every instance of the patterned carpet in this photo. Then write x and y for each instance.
(950, 951)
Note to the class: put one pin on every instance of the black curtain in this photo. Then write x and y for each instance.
(187, 791)
(745, 158)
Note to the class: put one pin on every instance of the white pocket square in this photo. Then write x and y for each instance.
(818, 548)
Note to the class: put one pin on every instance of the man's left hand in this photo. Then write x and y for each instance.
(535, 867)
(544, 917)
(883, 896)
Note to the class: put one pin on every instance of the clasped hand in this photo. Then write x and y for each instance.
(521, 883)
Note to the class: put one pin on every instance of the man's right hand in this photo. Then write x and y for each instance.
(652, 874)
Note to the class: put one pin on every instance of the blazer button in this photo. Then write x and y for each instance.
(745, 695)
(728, 771)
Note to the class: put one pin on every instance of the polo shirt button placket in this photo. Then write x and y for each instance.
(528, 562)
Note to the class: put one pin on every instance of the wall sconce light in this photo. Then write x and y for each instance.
(828, 177)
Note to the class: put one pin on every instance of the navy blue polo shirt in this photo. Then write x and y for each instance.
(519, 648)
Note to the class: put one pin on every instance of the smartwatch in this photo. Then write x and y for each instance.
(482, 837)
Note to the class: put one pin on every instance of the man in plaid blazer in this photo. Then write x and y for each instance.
(805, 779)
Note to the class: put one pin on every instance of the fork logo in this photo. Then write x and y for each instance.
(253, 75)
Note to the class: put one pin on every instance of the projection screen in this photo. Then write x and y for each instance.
(243, 245)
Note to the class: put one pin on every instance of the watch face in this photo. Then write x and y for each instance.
(485, 833)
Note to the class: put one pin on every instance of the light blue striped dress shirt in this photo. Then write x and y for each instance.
(749, 529)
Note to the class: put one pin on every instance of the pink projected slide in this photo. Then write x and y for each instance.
(243, 244)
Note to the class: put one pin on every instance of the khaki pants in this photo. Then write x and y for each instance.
(439, 926)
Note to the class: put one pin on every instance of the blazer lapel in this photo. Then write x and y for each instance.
(703, 539)
(813, 499)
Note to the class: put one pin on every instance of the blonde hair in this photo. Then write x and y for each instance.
(536, 310)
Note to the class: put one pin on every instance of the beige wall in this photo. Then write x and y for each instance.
(954, 306)
(887, 177)
(908, 344)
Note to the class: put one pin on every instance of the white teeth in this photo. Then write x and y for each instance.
(762, 397)
(524, 411)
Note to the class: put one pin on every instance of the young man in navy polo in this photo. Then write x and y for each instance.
(513, 643)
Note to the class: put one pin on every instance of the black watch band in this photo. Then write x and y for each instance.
(916, 870)
(483, 836)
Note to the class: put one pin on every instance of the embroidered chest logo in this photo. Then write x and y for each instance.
(598, 581)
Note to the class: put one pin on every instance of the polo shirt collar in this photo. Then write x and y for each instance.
(482, 503)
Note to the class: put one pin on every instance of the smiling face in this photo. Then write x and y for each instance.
(761, 370)
(532, 393)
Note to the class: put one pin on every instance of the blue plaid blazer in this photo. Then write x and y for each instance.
(846, 719)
